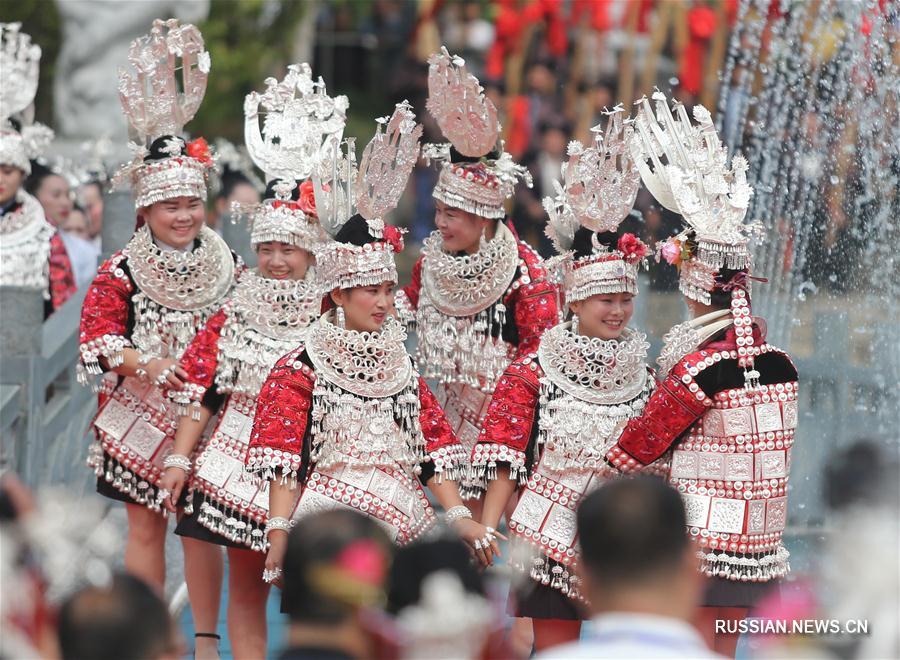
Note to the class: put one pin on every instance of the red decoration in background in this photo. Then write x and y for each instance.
(511, 20)
(595, 11)
(701, 26)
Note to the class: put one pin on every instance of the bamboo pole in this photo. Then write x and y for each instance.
(715, 58)
(661, 27)
(626, 69)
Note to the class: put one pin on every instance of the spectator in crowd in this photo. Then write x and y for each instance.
(335, 568)
(235, 187)
(640, 574)
(90, 196)
(441, 604)
(544, 162)
(467, 32)
(126, 620)
(75, 232)
(77, 224)
(53, 192)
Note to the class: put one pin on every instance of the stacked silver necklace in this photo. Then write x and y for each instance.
(25, 245)
(461, 312)
(176, 291)
(268, 318)
(590, 388)
(365, 407)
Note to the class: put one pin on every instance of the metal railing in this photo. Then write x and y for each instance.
(44, 412)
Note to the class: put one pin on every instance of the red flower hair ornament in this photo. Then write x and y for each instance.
(199, 150)
(632, 248)
(307, 199)
(393, 236)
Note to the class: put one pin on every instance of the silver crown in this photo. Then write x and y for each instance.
(600, 184)
(298, 118)
(373, 191)
(374, 188)
(695, 180)
(150, 98)
(457, 102)
(19, 68)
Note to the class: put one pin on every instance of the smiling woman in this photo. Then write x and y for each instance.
(557, 408)
(148, 300)
(175, 222)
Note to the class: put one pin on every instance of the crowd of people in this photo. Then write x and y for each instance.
(248, 401)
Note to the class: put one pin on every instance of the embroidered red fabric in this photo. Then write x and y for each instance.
(415, 284)
(202, 354)
(106, 305)
(62, 277)
(283, 407)
(435, 427)
(534, 301)
(673, 407)
(510, 415)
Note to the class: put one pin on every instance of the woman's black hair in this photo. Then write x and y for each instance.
(270, 189)
(229, 180)
(718, 297)
(582, 243)
(39, 172)
(159, 148)
(355, 232)
(415, 562)
(456, 157)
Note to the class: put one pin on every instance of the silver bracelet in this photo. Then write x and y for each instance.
(278, 523)
(178, 461)
(458, 512)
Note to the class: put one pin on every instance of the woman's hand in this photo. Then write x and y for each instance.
(481, 539)
(173, 481)
(166, 372)
(275, 557)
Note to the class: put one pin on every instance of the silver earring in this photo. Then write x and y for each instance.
(341, 319)
(574, 324)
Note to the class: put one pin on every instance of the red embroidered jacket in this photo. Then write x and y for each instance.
(281, 425)
(509, 424)
(731, 454)
(62, 278)
(684, 396)
(531, 297)
(107, 314)
(200, 360)
(106, 311)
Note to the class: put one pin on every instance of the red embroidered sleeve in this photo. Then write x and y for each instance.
(507, 426)
(281, 420)
(534, 300)
(442, 447)
(407, 299)
(199, 360)
(104, 319)
(675, 404)
(62, 277)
